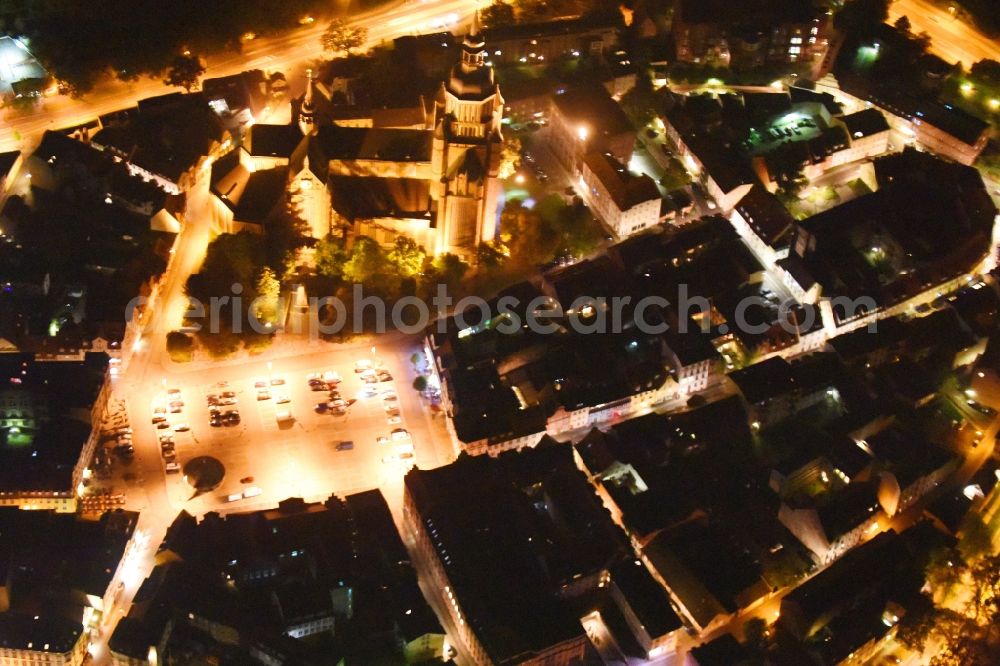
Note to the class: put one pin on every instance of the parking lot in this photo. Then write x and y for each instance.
(284, 444)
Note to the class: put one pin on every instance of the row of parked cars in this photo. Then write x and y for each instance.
(174, 404)
(271, 388)
(222, 407)
(329, 381)
(168, 452)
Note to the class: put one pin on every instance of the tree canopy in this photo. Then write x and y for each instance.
(497, 15)
(185, 71)
(341, 37)
(966, 632)
(861, 17)
(79, 43)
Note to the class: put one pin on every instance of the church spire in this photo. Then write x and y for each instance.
(476, 25)
(307, 121)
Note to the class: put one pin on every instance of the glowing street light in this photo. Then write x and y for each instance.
(582, 132)
(994, 103)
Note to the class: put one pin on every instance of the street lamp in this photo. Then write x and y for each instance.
(582, 132)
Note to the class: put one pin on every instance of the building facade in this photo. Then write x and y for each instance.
(627, 203)
(774, 33)
(435, 182)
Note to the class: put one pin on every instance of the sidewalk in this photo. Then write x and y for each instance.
(284, 346)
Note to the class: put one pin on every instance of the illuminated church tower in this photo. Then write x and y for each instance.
(467, 150)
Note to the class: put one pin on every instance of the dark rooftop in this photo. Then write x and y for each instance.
(491, 527)
(266, 572)
(367, 197)
(7, 161)
(50, 561)
(935, 218)
(950, 119)
(55, 440)
(767, 216)
(167, 136)
(374, 143)
(626, 189)
(865, 123)
(647, 598)
(593, 105)
(272, 140)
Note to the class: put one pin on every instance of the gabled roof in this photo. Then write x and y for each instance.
(766, 215)
(626, 189)
(366, 197)
(375, 143)
(593, 105)
(167, 135)
(7, 162)
(272, 140)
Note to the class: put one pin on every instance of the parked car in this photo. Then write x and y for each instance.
(394, 420)
(346, 445)
(400, 434)
(252, 491)
(278, 381)
(281, 398)
(263, 395)
(172, 467)
(321, 408)
(182, 427)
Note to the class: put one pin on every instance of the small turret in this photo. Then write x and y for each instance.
(307, 119)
